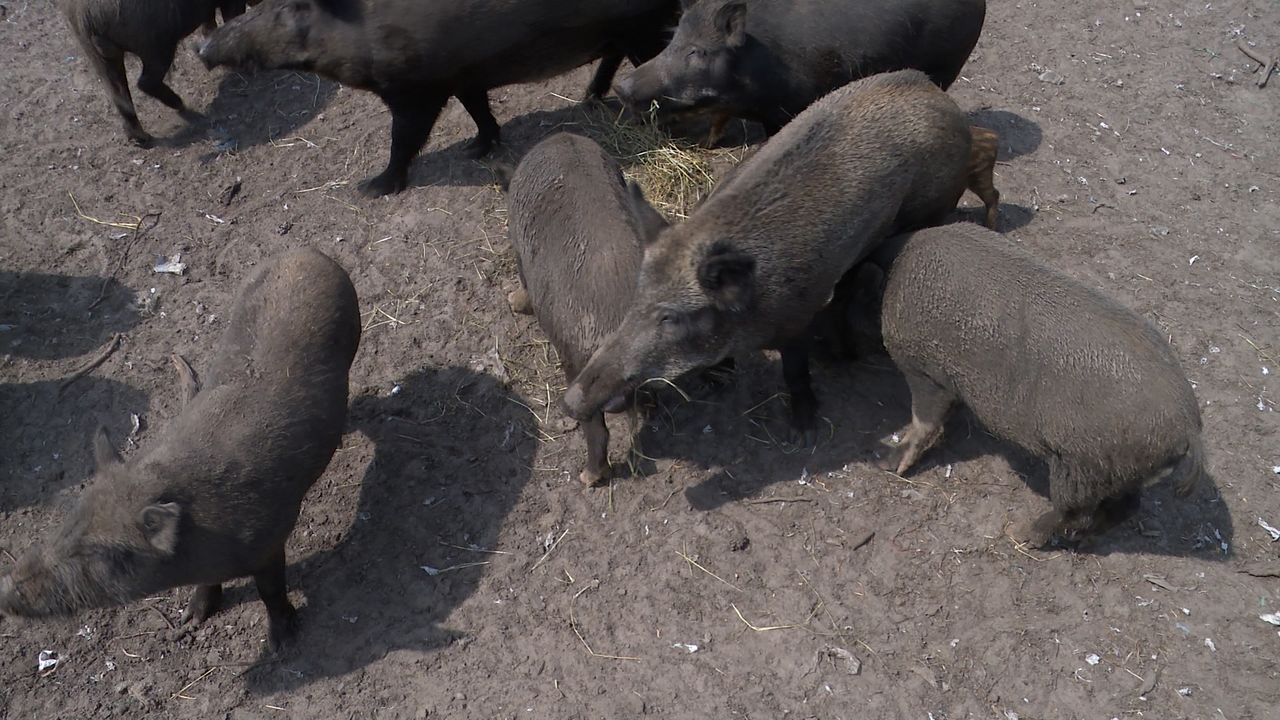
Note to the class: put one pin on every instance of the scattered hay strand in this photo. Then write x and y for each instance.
(573, 623)
(134, 225)
(191, 684)
(769, 628)
(694, 563)
(550, 550)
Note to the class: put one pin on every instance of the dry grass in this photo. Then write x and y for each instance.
(675, 173)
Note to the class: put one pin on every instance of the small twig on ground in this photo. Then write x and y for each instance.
(550, 550)
(137, 220)
(476, 549)
(92, 364)
(164, 617)
(189, 685)
(694, 563)
(760, 629)
(573, 624)
(763, 501)
(1266, 64)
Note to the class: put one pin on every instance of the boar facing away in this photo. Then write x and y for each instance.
(754, 263)
(1052, 366)
(767, 60)
(576, 227)
(415, 54)
(151, 29)
(217, 496)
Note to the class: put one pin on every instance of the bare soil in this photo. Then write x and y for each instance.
(728, 576)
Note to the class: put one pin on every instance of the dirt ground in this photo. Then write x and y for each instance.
(729, 576)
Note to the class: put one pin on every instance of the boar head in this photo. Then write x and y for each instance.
(698, 68)
(693, 307)
(112, 548)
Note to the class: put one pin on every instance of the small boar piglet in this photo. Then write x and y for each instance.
(107, 30)
(576, 227)
(217, 495)
(1054, 367)
(762, 254)
(416, 54)
(767, 60)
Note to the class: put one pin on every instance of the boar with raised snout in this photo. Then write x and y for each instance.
(767, 60)
(577, 227)
(1054, 367)
(415, 54)
(150, 29)
(761, 256)
(217, 496)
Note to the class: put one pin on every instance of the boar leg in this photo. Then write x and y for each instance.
(488, 135)
(411, 123)
(930, 403)
(188, 384)
(109, 64)
(982, 168)
(597, 435)
(603, 79)
(204, 602)
(804, 404)
(282, 618)
(155, 66)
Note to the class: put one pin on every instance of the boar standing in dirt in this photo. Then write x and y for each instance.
(1054, 367)
(415, 54)
(577, 228)
(216, 497)
(761, 256)
(767, 60)
(150, 29)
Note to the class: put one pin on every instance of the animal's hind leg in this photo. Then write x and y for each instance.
(982, 168)
(204, 603)
(155, 66)
(489, 133)
(281, 615)
(930, 403)
(109, 64)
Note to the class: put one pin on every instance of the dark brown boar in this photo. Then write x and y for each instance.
(415, 54)
(217, 496)
(754, 263)
(576, 227)
(1052, 366)
(151, 29)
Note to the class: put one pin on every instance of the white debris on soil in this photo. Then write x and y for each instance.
(1209, 644)
(1092, 659)
(172, 264)
(687, 647)
(1272, 531)
(48, 660)
(1273, 618)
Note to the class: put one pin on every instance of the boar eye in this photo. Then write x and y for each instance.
(668, 319)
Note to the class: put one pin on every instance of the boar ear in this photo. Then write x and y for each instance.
(160, 526)
(731, 21)
(728, 276)
(104, 455)
(651, 221)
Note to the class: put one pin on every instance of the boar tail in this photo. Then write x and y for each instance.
(1190, 470)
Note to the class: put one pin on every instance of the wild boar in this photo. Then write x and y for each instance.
(576, 227)
(217, 496)
(767, 60)
(150, 29)
(1052, 366)
(415, 54)
(762, 254)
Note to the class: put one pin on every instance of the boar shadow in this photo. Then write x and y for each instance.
(1011, 216)
(47, 437)
(256, 108)
(866, 401)
(51, 317)
(451, 436)
(1018, 135)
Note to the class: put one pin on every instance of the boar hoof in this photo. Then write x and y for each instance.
(1037, 533)
(284, 628)
(384, 184)
(806, 438)
(591, 478)
(204, 602)
(518, 299)
(141, 138)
